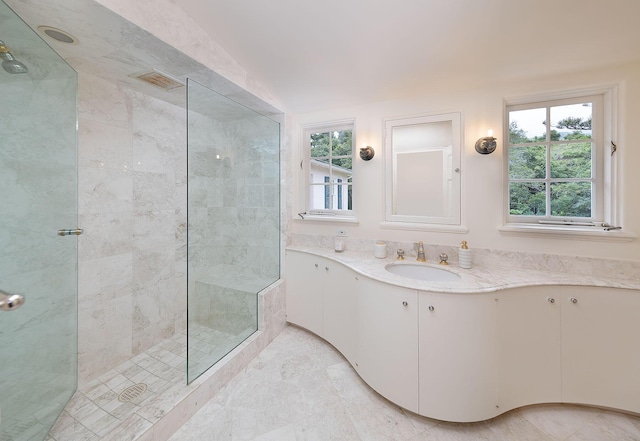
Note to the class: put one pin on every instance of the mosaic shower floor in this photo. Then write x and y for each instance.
(156, 379)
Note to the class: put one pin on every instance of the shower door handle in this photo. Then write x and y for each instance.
(73, 232)
(9, 302)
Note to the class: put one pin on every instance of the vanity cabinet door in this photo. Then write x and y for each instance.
(340, 309)
(305, 279)
(387, 341)
(457, 356)
(601, 347)
(528, 346)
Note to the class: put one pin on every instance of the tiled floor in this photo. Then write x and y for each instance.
(95, 411)
(301, 388)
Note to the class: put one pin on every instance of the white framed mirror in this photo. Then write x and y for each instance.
(422, 164)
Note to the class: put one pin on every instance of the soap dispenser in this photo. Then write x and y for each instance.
(464, 255)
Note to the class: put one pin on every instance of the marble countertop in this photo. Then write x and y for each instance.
(475, 280)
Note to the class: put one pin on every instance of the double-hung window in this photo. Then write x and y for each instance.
(558, 163)
(329, 177)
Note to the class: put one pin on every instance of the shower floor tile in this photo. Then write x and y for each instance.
(95, 412)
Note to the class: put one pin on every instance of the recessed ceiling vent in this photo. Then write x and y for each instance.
(158, 79)
(58, 34)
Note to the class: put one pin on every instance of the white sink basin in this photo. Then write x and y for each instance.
(422, 272)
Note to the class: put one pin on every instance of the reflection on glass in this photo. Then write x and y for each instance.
(528, 162)
(423, 152)
(571, 160)
(571, 199)
(431, 197)
(234, 222)
(527, 198)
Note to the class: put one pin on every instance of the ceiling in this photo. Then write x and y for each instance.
(332, 53)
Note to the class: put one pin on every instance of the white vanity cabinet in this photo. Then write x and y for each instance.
(457, 356)
(470, 356)
(321, 297)
(601, 346)
(387, 347)
(528, 346)
(305, 285)
(340, 309)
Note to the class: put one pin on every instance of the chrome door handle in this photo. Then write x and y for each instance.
(74, 232)
(9, 302)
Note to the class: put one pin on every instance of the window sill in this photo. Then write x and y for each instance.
(565, 232)
(327, 218)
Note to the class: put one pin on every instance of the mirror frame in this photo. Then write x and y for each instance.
(399, 220)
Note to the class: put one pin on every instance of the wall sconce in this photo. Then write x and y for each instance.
(486, 145)
(366, 153)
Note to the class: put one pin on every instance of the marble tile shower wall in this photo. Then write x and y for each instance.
(132, 206)
(234, 193)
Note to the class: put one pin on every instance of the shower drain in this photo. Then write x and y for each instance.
(132, 392)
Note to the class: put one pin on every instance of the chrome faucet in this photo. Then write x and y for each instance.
(421, 256)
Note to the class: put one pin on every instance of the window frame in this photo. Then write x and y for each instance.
(597, 175)
(327, 213)
(606, 158)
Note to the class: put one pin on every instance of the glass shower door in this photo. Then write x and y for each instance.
(233, 222)
(38, 196)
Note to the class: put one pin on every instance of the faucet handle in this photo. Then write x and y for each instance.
(400, 254)
(421, 255)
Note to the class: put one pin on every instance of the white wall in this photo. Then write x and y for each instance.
(482, 183)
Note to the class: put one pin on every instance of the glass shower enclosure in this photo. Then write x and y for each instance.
(233, 235)
(38, 197)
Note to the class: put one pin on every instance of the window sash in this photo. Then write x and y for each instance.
(337, 200)
(597, 151)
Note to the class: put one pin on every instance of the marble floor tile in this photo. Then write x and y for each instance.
(299, 388)
(96, 413)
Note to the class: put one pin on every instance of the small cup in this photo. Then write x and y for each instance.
(380, 250)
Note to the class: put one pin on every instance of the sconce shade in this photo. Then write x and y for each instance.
(366, 153)
(486, 145)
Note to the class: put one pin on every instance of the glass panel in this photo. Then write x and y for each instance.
(571, 199)
(571, 160)
(341, 168)
(233, 240)
(38, 196)
(320, 145)
(319, 198)
(527, 198)
(572, 121)
(527, 125)
(336, 197)
(431, 197)
(528, 162)
(341, 143)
